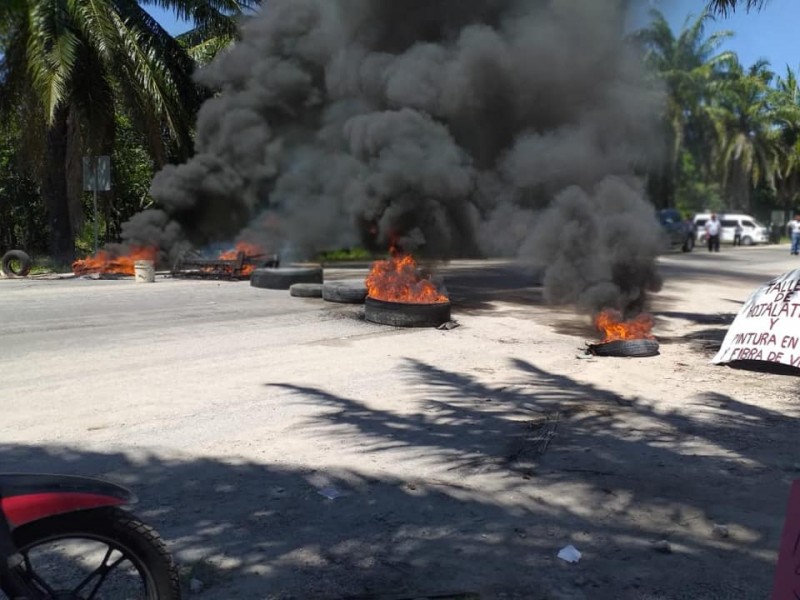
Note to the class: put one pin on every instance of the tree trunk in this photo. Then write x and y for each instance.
(741, 190)
(661, 188)
(54, 190)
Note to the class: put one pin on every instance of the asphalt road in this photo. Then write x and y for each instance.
(228, 408)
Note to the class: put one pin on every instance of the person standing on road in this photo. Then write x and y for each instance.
(691, 233)
(712, 233)
(737, 235)
(794, 231)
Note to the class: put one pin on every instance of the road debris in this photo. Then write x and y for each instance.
(721, 531)
(570, 554)
(662, 546)
(330, 492)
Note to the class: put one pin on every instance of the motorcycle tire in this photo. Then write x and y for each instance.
(117, 529)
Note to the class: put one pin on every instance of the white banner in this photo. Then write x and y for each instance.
(767, 327)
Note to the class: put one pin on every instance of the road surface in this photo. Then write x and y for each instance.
(465, 459)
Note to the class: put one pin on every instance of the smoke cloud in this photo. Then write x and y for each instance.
(463, 127)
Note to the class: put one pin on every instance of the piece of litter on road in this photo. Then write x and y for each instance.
(331, 493)
(721, 531)
(570, 554)
(448, 325)
(662, 546)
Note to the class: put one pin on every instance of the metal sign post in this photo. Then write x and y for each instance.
(96, 178)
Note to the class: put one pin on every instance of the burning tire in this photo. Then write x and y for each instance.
(344, 292)
(306, 290)
(284, 278)
(16, 262)
(397, 314)
(623, 348)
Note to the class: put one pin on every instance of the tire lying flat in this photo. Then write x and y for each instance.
(306, 290)
(345, 292)
(397, 314)
(623, 348)
(16, 262)
(284, 277)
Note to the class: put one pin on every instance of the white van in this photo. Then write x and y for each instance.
(752, 231)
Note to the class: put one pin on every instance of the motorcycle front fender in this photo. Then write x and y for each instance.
(26, 498)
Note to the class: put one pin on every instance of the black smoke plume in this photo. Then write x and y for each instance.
(465, 127)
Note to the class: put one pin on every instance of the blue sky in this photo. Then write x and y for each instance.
(771, 33)
(168, 20)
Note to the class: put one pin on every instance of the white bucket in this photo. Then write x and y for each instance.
(144, 271)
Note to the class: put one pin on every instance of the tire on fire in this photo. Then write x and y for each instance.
(16, 262)
(344, 292)
(306, 290)
(625, 348)
(400, 314)
(284, 277)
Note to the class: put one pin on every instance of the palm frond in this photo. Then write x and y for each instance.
(724, 7)
(94, 19)
(214, 17)
(52, 49)
(207, 49)
(155, 73)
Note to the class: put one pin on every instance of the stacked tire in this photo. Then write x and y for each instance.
(306, 290)
(283, 278)
(345, 292)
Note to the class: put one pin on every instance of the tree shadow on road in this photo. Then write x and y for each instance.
(506, 472)
(611, 474)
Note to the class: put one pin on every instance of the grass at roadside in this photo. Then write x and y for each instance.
(345, 255)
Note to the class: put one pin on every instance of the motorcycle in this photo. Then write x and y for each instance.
(67, 538)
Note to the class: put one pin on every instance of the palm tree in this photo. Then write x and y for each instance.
(787, 112)
(723, 7)
(745, 116)
(687, 64)
(203, 48)
(68, 65)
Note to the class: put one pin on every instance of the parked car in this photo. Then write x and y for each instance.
(680, 231)
(752, 232)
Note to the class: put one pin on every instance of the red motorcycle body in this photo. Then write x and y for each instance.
(25, 498)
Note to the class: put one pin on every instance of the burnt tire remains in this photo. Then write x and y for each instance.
(16, 262)
(625, 348)
(306, 290)
(283, 278)
(345, 292)
(399, 314)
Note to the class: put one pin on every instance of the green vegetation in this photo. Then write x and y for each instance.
(89, 77)
(345, 255)
(731, 131)
(72, 72)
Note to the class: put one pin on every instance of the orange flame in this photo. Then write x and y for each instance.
(609, 322)
(248, 249)
(105, 262)
(397, 280)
